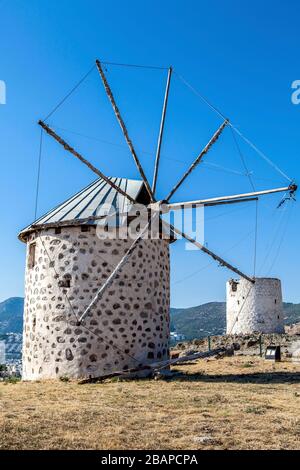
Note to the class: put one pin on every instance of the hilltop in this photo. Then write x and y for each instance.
(11, 315)
(230, 403)
(210, 319)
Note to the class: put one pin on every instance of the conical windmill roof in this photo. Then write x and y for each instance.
(97, 199)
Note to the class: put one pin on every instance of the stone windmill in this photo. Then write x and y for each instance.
(96, 304)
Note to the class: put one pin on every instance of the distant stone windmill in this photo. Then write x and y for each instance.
(95, 305)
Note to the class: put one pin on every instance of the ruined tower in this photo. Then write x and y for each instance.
(254, 306)
(66, 264)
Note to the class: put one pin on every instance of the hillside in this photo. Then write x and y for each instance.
(291, 313)
(210, 319)
(11, 315)
(203, 320)
(194, 322)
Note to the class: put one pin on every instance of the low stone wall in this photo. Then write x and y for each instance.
(248, 344)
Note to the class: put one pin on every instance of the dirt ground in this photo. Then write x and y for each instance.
(229, 403)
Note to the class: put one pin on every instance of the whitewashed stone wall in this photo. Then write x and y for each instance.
(254, 307)
(130, 325)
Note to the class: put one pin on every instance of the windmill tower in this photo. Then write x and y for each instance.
(65, 264)
(96, 304)
(254, 307)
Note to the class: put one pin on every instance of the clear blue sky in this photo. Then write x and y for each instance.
(243, 56)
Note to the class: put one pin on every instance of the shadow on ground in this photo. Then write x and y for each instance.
(255, 377)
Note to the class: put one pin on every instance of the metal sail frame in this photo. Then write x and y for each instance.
(151, 191)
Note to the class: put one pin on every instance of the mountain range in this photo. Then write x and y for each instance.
(210, 319)
(194, 322)
(11, 315)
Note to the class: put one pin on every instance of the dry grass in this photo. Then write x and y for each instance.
(233, 403)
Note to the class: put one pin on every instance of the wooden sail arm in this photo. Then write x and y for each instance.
(229, 199)
(198, 159)
(213, 255)
(70, 149)
(123, 127)
(161, 130)
(154, 368)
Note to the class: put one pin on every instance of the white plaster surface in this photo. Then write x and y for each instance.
(254, 307)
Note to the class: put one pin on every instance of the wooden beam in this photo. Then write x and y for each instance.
(190, 357)
(210, 253)
(228, 199)
(123, 127)
(83, 160)
(198, 159)
(161, 130)
(157, 366)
